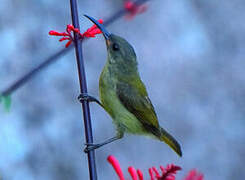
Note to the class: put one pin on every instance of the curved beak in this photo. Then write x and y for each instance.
(106, 34)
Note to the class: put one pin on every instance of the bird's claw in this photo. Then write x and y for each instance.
(90, 147)
(84, 97)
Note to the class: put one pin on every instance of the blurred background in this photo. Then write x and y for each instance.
(191, 58)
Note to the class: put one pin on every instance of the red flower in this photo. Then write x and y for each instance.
(133, 9)
(167, 173)
(194, 175)
(91, 32)
(115, 164)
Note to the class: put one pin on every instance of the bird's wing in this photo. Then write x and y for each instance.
(135, 99)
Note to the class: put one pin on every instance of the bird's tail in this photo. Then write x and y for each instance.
(168, 139)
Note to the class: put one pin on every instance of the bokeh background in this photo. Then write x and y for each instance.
(191, 58)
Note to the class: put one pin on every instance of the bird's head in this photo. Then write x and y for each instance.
(120, 52)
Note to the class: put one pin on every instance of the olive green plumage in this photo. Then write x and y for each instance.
(124, 96)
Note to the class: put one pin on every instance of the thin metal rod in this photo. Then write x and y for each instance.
(83, 89)
(26, 77)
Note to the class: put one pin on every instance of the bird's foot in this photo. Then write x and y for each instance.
(91, 146)
(85, 97)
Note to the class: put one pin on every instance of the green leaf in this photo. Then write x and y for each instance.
(6, 101)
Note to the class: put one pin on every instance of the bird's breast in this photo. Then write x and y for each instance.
(107, 90)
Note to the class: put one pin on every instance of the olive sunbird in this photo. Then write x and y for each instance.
(123, 95)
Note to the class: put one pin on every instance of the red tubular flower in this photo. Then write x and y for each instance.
(91, 32)
(133, 9)
(194, 175)
(140, 174)
(55, 33)
(133, 173)
(151, 174)
(115, 164)
(168, 173)
(66, 35)
(157, 175)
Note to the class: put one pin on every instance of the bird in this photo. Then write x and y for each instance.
(124, 96)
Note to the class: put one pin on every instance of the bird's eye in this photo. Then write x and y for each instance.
(115, 47)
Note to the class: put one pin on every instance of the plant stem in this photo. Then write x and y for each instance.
(21, 81)
(83, 89)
